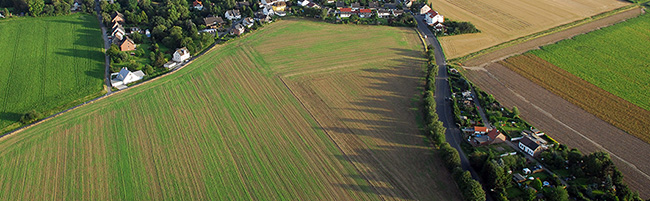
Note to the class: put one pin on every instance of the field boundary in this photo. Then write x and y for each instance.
(542, 33)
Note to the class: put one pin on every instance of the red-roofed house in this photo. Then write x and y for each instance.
(346, 12)
(480, 130)
(365, 13)
(434, 19)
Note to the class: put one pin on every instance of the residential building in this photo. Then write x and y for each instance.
(125, 44)
(117, 17)
(434, 19)
(340, 4)
(425, 9)
(397, 12)
(237, 30)
(303, 3)
(532, 145)
(279, 6)
(233, 14)
(248, 22)
(383, 13)
(261, 17)
(197, 5)
(268, 10)
(118, 33)
(365, 13)
(181, 55)
(241, 4)
(345, 12)
(125, 77)
(213, 21)
(268, 2)
(355, 6)
(312, 5)
(373, 5)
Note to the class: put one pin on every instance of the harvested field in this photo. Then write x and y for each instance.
(502, 21)
(240, 123)
(48, 64)
(606, 106)
(566, 122)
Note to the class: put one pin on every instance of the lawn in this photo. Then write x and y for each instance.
(614, 58)
(226, 127)
(48, 64)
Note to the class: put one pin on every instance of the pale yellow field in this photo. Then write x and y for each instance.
(501, 21)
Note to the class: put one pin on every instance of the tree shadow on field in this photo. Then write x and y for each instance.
(381, 129)
(79, 56)
(10, 116)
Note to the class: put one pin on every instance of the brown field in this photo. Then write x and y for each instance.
(298, 110)
(566, 122)
(604, 105)
(501, 21)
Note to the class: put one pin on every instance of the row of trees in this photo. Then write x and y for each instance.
(47, 8)
(471, 189)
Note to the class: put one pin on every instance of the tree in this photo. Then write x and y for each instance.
(495, 176)
(473, 190)
(160, 60)
(36, 7)
(529, 194)
(148, 69)
(323, 13)
(557, 193)
(450, 156)
(30, 117)
(515, 111)
(537, 184)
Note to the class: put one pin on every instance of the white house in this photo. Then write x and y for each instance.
(233, 14)
(382, 13)
(346, 12)
(182, 54)
(268, 2)
(434, 17)
(248, 22)
(425, 9)
(268, 10)
(303, 3)
(125, 77)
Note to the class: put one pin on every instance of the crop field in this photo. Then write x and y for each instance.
(237, 124)
(48, 64)
(501, 21)
(614, 58)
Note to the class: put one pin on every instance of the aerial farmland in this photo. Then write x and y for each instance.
(51, 65)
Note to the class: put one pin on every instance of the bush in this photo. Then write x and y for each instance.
(30, 117)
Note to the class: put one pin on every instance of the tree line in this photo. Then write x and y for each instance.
(470, 188)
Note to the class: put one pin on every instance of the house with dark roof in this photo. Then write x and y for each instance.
(118, 33)
(213, 21)
(233, 14)
(373, 5)
(340, 4)
(492, 137)
(241, 4)
(518, 178)
(530, 146)
(261, 17)
(125, 77)
(355, 6)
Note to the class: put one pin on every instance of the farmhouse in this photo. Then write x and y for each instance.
(346, 12)
(125, 77)
(237, 30)
(126, 44)
(117, 17)
(198, 5)
(213, 21)
(248, 22)
(181, 55)
(233, 14)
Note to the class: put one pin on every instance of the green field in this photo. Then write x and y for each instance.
(48, 64)
(614, 58)
(223, 128)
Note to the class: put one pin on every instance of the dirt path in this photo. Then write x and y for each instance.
(567, 123)
(501, 54)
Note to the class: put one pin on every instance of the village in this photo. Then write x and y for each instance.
(234, 23)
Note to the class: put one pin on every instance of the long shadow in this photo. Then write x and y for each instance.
(10, 116)
(397, 153)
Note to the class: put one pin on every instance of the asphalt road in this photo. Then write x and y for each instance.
(443, 107)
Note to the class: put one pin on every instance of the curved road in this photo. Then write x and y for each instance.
(443, 107)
